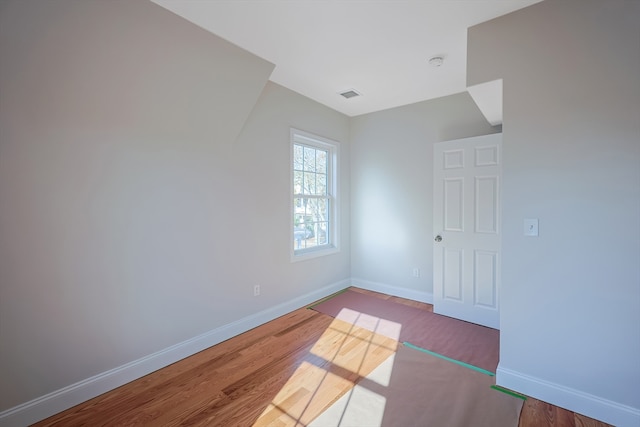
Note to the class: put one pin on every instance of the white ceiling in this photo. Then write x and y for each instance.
(380, 48)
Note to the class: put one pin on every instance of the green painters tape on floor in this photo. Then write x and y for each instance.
(327, 298)
(509, 392)
(466, 365)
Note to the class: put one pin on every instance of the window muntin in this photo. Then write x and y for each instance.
(313, 194)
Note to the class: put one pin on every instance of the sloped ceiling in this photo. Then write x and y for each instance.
(379, 48)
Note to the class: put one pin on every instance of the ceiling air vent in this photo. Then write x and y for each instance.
(351, 93)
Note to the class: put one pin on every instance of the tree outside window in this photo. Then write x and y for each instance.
(313, 193)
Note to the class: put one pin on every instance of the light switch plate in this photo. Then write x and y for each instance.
(531, 227)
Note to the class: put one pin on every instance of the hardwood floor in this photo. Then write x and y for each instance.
(283, 373)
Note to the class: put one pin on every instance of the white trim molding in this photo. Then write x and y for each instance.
(74, 394)
(393, 290)
(574, 400)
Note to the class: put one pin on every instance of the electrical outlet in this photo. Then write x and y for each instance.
(416, 272)
(256, 290)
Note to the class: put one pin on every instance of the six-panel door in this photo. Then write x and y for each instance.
(466, 214)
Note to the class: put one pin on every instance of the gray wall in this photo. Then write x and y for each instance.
(571, 297)
(261, 157)
(392, 190)
(144, 191)
(144, 187)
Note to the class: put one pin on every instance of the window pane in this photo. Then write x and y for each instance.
(297, 157)
(303, 227)
(321, 161)
(323, 209)
(309, 183)
(322, 233)
(321, 185)
(298, 216)
(298, 182)
(311, 222)
(299, 240)
(309, 159)
(312, 208)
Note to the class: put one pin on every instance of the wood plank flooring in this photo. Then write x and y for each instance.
(283, 373)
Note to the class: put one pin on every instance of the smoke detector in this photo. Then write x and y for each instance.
(436, 61)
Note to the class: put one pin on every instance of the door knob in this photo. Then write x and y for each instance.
(438, 238)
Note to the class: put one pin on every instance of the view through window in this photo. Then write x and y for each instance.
(313, 194)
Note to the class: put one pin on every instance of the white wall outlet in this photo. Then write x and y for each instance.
(256, 290)
(531, 227)
(416, 272)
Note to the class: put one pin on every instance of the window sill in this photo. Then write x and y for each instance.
(313, 253)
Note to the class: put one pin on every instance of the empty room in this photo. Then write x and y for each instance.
(322, 213)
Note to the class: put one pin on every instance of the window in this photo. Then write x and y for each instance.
(314, 203)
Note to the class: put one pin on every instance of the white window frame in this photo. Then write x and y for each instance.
(333, 149)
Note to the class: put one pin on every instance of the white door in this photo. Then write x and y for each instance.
(466, 215)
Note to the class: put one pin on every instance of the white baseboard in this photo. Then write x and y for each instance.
(67, 397)
(393, 290)
(574, 400)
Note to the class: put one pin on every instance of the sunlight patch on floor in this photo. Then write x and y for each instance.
(345, 353)
(352, 347)
(360, 406)
(367, 321)
(301, 398)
